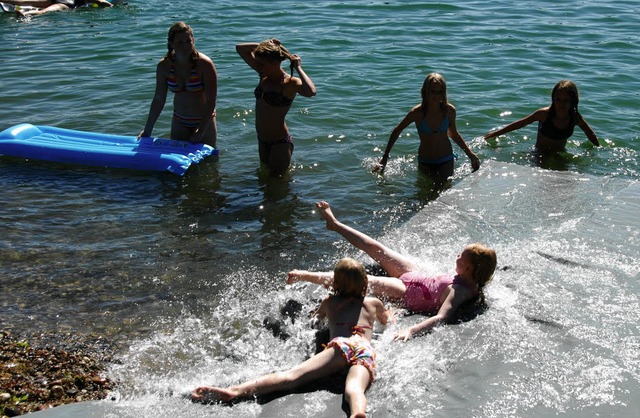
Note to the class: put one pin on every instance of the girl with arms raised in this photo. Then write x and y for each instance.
(274, 95)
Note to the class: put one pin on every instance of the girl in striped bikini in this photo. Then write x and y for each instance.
(192, 77)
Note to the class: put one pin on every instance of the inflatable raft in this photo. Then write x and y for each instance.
(69, 146)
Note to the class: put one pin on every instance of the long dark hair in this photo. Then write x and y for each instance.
(176, 28)
(571, 89)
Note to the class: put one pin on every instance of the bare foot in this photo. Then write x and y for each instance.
(207, 394)
(327, 214)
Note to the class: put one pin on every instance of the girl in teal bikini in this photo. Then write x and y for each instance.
(192, 77)
(435, 120)
(351, 316)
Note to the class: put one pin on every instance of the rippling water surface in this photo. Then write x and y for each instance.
(180, 272)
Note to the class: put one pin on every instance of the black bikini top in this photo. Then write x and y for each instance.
(549, 130)
(272, 97)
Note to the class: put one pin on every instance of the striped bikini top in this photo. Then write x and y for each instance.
(194, 83)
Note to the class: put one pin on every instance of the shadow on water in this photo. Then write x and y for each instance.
(334, 384)
(561, 160)
(428, 188)
(197, 192)
(277, 211)
(558, 161)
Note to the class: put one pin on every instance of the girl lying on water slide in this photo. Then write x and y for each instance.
(417, 292)
(351, 316)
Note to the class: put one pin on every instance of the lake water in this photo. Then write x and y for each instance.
(179, 272)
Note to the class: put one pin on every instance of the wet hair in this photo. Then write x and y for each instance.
(350, 278)
(273, 50)
(175, 29)
(424, 92)
(571, 89)
(484, 265)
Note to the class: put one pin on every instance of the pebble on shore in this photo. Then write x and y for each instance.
(35, 376)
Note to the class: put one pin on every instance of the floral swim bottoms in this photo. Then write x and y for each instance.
(356, 350)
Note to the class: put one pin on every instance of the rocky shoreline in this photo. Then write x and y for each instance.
(51, 370)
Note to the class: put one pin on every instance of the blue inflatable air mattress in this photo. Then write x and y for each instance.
(101, 150)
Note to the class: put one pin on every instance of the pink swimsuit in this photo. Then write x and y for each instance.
(423, 292)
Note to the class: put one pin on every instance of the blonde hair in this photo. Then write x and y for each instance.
(175, 29)
(350, 278)
(484, 265)
(273, 50)
(424, 92)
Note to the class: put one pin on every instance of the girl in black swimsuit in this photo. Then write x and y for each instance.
(274, 95)
(555, 122)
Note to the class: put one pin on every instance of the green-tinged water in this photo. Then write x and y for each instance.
(155, 262)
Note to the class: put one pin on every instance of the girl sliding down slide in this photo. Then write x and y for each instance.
(414, 290)
(351, 316)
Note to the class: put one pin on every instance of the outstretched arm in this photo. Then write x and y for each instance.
(57, 7)
(457, 138)
(395, 134)
(322, 278)
(537, 116)
(446, 312)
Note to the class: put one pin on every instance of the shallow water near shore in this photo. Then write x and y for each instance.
(179, 272)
